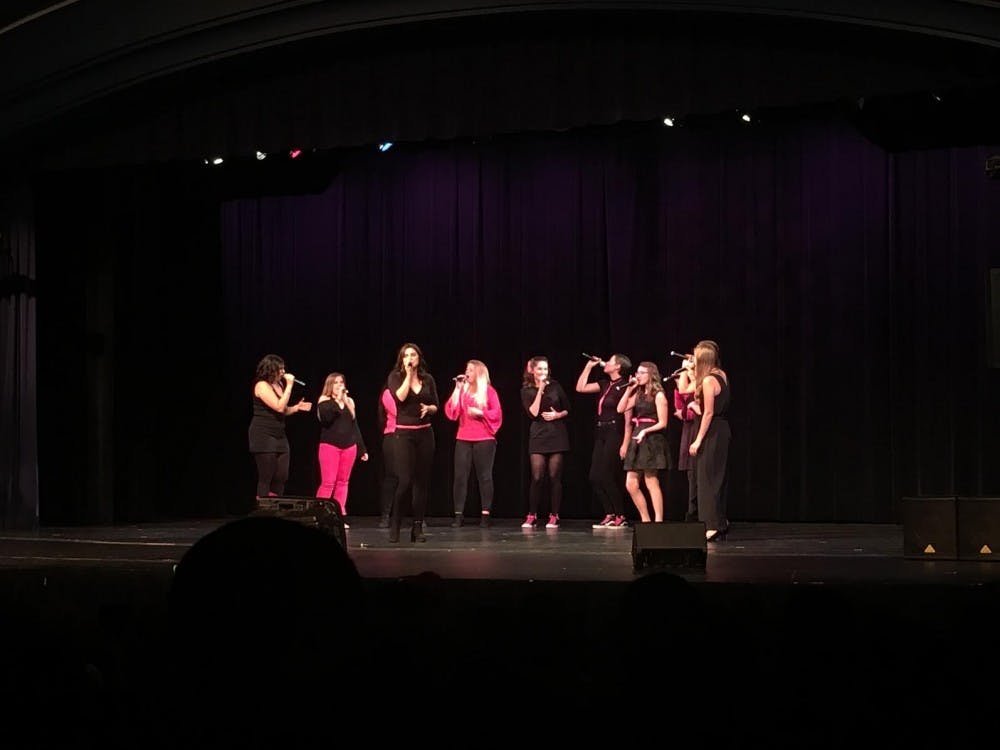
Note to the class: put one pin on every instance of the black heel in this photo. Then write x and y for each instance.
(417, 532)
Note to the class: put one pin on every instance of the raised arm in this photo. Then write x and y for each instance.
(582, 386)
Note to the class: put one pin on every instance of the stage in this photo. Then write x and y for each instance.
(753, 553)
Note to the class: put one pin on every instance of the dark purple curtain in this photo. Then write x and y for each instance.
(783, 244)
(846, 287)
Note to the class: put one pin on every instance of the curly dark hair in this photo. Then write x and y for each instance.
(268, 368)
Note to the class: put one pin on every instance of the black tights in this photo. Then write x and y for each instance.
(272, 473)
(552, 464)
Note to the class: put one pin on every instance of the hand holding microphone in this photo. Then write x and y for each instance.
(459, 379)
(594, 360)
(289, 378)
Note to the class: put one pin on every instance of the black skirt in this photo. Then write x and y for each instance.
(649, 455)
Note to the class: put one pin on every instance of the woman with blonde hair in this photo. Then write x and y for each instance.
(710, 446)
(647, 451)
(474, 404)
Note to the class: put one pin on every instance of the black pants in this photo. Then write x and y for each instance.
(272, 473)
(711, 465)
(607, 477)
(478, 454)
(409, 455)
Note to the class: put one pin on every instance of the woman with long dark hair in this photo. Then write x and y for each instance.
(410, 399)
(647, 451)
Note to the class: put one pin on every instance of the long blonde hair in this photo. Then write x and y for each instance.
(706, 359)
(479, 385)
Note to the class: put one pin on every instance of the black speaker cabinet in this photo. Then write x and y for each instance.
(320, 514)
(979, 528)
(671, 545)
(930, 528)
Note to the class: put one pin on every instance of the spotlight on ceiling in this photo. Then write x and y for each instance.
(295, 153)
(214, 160)
(746, 117)
(383, 147)
(261, 156)
(668, 121)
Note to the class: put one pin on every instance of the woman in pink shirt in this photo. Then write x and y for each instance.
(474, 404)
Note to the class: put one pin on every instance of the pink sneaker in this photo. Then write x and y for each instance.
(618, 522)
(553, 521)
(608, 520)
(529, 522)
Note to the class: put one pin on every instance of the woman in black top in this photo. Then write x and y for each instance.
(340, 441)
(711, 445)
(411, 399)
(268, 442)
(548, 441)
(647, 451)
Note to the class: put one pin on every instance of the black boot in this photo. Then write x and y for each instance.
(417, 532)
(394, 528)
(459, 519)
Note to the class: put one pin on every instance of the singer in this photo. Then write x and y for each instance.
(408, 442)
(340, 441)
(268, 442)
(474, 404)
(688, 411)
(710, 446)
(647, 451)
(612, 433)
(547, 406)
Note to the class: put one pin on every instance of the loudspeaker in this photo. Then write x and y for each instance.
(311, 511)
(672, 545)
(979, 528)
(930, 528)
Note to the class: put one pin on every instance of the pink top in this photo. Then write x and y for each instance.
(683, 402)
(389, 404)
(475, 428)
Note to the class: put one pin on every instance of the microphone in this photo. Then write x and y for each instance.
(459, 378)
(677, 354)
(298, 382)
(592, 358)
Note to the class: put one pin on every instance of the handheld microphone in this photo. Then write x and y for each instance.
(592, 358)
(678, 354)
(298, 382)
(459, 378)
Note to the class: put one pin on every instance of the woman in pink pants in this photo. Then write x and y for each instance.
(340, 441)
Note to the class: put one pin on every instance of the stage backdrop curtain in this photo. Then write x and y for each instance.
(18, 339)
(834, 307)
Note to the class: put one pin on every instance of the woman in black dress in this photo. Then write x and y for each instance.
(268, 443)
(647, 452)
(711, 445)
(547, 406)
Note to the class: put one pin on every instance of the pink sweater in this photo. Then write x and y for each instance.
(475, 428)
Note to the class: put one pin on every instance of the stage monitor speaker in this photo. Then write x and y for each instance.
(324, 515)
(979, 528)
(671, 545)
(930, 528)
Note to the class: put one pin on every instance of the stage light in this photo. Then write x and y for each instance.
(295, 153)
(214, 160)
(745, 117)
(261, 156)
(668, 121)
(936, 97)
(383, 147)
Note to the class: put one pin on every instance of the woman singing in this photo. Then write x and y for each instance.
(647, 452)
(548, 441)
(474, 404)
(711, 445)
(410, 400)
(268, 443)
(340, 441)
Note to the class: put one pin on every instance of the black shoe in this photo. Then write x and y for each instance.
(394, 524)
(383, 522)
(457, 520)
(417, 532)
(484, 520)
